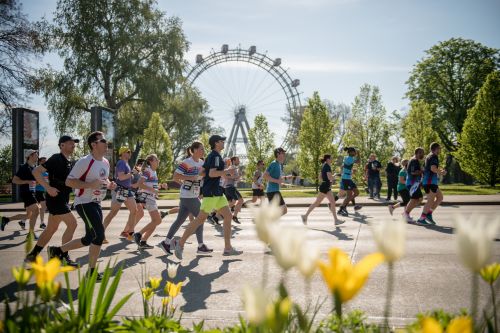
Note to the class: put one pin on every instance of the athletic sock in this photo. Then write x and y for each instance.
(429, 212)
(423, 216)
(168, 240)
(200, 245)
(353, 201)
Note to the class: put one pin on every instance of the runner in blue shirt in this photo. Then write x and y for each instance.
(347, 183)
(275, 177)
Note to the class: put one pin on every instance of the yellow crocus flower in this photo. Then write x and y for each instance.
(154, 282)
(462, 324)
(173, 289)
(147, 292)
(21, 275)
(342, 277)
(48, 290)
(490, 273)
(165, 301)
(47, 272)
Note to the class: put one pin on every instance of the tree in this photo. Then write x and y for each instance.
(340, 113)
(157, 141)
(260, 145)
(315, 138)
(368, 129)
(417, 129)
(115, 52)
(448, 79)
(6, 164)
(20, 40)
(203, 138)
(479, 146)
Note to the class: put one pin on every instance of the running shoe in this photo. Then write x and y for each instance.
(22, 224)
(124, 234)
(177, 247)
(67, 261)
(408, 218)
(216, 219)
(422, 222)
(304, 219)
(99, 276)
(30, 258)
(391, 209)
(203, 249)
(54, 251)
(235, 219)
(105, 241)
(143, 245)
(130, 236)
(43, 225)
(137, 238)
(430, 219)
(357, 207)
(339, 222)
(231, 252)
(342, 211)
(4, 222)
(210, 219)
(336, 198)
(163, 214)
(165, 247)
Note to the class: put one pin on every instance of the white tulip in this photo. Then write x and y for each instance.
(390, 237)
(475, 241)
(265, 217)
(287, 244)
(172, 270)
(255, 301)
(308, 260)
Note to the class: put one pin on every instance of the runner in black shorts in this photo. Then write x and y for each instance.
(25, 179)
(58, 167)
(413, 183)
(347, 183)
(233, 196)
(401, 187)
(275, 177)
(258, 183)
(325, 190)
(40, 194)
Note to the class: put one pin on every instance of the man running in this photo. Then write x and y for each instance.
(24, 178)
(347, 183)
(213, 199)
(413, 183)
(258, 183)
(58, 167)
(232, 194)
(275, 177)
(430, 184)
(89, 177)
(40, 193)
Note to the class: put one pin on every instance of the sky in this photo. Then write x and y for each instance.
(332, 46)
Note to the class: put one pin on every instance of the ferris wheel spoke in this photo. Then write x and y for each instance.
(267, 96)
(222, 85)
(261, 90)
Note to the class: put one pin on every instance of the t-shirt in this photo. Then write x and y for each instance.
(260, 179)
(211, 185)
(58, 167)
(150, 179)
(347, 167)
(122, 166)
(98, 170)
(190, 167)
(402, 173)
(275, 170)
(25, 173)
(39, 187)
(413, 166)
(229, 182)
(372, 167)
(324, 173)
(429, 176)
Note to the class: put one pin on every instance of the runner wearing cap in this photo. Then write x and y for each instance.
(213, 199)
(123, 193)
(275, 177)
(40, 193)
(347, 183)
(27, 182)
(58, 167)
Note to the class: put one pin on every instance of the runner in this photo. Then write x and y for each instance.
(232, 194)
(325, 190)
(258, 183)
(27, 182)
(40, 194)
(413, 184)
(213, 199)
(275, 177)
(123, 193)
(58, 167)
(402, 190)
(348, 185)
(189, 174)
(89, 177)
(343, 193)
(430, 184)
(149, 192)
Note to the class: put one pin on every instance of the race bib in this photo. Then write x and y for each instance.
(100, 194)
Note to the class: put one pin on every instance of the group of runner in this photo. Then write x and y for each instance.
(207, 187)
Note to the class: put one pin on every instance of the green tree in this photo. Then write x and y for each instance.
(448, 79)
(368, 128)
(203, 138)
(315, 138)
(5, 164)
(479, 144)
(260, 145)
(157, 141)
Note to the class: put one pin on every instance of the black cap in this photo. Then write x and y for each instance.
(278, 151)
(66, 138)
(214, 138)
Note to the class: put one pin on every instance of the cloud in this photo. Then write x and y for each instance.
(342, 67)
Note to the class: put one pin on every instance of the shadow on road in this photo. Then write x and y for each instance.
(337, 233)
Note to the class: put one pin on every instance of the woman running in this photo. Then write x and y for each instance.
(40, 194)
(402, 189)
(325, 190)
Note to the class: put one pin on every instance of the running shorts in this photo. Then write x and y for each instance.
(405, 195)
(271, 195)
(325, 187)
(28, 198)
(348, 185)
(40, 196)
(58, 205)
(209, 204)
(257, 192)
(431, 188)
(232, 193)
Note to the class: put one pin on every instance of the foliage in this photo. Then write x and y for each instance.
(6, 164)
(340, 113)
(157, 141)
(260, 145)
(479, 146)
(354, 321)
(203, 138)
(152, 324)
(315, 138)
(448, 79)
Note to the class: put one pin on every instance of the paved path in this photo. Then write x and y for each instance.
(429, 277)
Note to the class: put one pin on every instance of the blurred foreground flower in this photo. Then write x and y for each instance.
(47, 272)
(265, 217)
(173, 289)
(154, 282)
(255, 300)
(308, 260)
(287, 244)
(21, 275)
(461, 324)
(390, 237)
(147, 292)
(172, 270)
(49, 290)
(490, 273)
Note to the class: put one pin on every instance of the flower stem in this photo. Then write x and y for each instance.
(388, 297)
(494, 306)
(265, 268)
(308, 291)
(474, 294)
(338, 308)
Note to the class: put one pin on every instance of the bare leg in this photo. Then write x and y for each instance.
(132, 208)
(70, 221)
(237, 207)
(94, 251)
(115, 207)
(33, 212)
(148, 230)
(226, 214)
(315, 204)
(18, 217)
(192, 226)
(438, 200)
(331, 199)
(43, 208)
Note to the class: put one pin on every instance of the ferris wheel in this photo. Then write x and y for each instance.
(242, 83)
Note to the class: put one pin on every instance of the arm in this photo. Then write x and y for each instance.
(270, 179)
(214, 173)
(77, 183)
(18, 181)
(37, 173)
(330, 177)
(180, 177)
(124, 176)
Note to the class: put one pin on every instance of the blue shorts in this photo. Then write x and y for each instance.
(347, 185)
